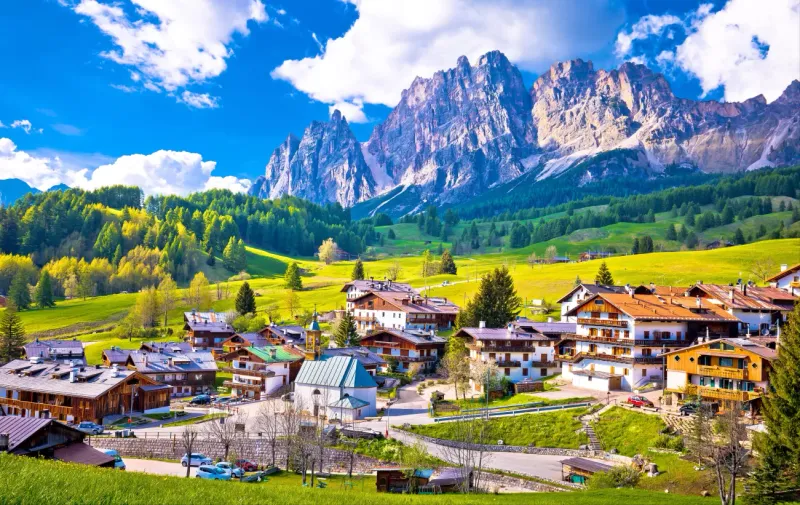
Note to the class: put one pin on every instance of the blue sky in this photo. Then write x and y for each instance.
(186, 94)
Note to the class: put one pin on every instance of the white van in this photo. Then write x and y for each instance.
(118, 463)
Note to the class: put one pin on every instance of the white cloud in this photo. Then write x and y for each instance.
(68, 129)
(228, 182)
(25, 125)
(727, 48)
(2, 125)
(646, 27)
(749, 48)
(124, 88)
(316, 40)
(392, 42)
(352, 111)
(162, 172)
(199, 100)
(172, 44)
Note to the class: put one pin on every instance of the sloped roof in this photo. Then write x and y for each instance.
(781, 275)
(362, 354)
(55, 349)
(586, 464)
(171, 346)
(93, 381)
(371, 285)
(662, 308)
(294, 333)
(253, 339)
(411, 336)
(739, 343)
(206, 321)
(414, 304)
(154, 362)
(547, 327)
(81, 453)
(745, 297)
(593, 289)
(283, 353)
(502, 334)
(20, 429)
(348, 402)
(337, 371)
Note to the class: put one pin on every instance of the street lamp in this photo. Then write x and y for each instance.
(608, 397)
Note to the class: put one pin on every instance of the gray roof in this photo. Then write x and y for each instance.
(415, 337)
(336, 371)
(19, 429)
(290, 333)
(586, 464)
(206, 321)
(502, 334)
(55, 349)
(254, 339)
(153, 362)
(53, 377)
(117, 355)
(550, 327)
(373, 285)
(594, 289)
(362, 354)
(171, 346)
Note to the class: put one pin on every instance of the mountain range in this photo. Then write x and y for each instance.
(458, 134)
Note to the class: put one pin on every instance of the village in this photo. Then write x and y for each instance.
(673, 352)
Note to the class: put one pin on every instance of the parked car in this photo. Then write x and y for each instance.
(212, 473)
(288, 397)
(234, 470)
(639, 401)
(200, 400)
(691, 408)
(222, 401)
(118, 463)
(91, 428)
(247, 466)
(196, 459)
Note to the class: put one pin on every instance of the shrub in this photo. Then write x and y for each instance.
(618, 476)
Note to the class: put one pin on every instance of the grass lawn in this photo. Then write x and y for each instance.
(633, 433)
(550, 429)
(518, 399)
(195, 420)
(27, 480)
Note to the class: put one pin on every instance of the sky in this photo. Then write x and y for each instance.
(183, 95)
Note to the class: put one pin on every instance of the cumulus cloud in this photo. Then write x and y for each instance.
(748, 48)
(199, 100)
(162, 172)
(172, 44)
(392, 42)
(352, 111)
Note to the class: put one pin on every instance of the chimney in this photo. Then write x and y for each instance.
(273, 353)
(697, 302)
(482, 324)
(73, 376)
(4, 442)
(784, 267)
(731, 295)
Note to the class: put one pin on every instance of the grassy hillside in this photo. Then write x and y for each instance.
(28, 481)
(89, 320)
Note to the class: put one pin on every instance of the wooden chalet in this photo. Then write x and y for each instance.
(243, 340)
(406, 347)
(400, 480)
(206, 330)
(37, 388)
(282, 335)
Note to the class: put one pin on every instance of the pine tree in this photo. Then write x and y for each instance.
(245, 300)
(738, 238)
(691, 240)
(577, 282)
(12, 334)
(604, 275)
(778, 447)
(346, 334)
(358, 271)
(292, 277)
(635, 247)
(19, 293)
(390, 234)
(117, 255)
(496, 303)
(448, 265)
(671, 234)
(211, 261)
(44, 291)
(229, 255)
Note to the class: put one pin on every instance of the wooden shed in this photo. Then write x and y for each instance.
(398, 480)
(578, 470)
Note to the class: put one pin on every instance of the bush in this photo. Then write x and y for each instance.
(618, 476)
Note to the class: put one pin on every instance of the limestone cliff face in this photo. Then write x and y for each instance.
(464, 130)
(326, 165)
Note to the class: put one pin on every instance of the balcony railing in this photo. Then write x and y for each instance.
(724, 394)
(543, 364)
(501, 348)
(722, 371)
(251, 373)
(409, 359)
(596, 321)
(241, 385)
(508, 364)
(658, 342)
(598, 338)
(55, 410)
(366, 319)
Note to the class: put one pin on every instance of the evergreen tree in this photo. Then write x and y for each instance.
(577, 282)
(44, 291)
(683, 233)
(245, 300)
(390, 234)
(604, 275)
(19, 292)
(691, 240)
(635, 247)
(12, 334)
(738, 238)
(346, 334)
(358, 271)
(117, 255)
(778, 447)
(671, 234)
(292, 277)
(229, 255)
(496, 303)
(210, 260)
(448, 266)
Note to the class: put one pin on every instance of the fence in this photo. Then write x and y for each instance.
(515, 412)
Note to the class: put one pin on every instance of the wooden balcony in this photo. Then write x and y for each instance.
(365, 319)
(723, 394)
(543, 364)
(55, 410)
(508, 364)
(722, 371)
(601, 339)
(658, 342)
(479, 347)
(249, 373)
(615, 358)
(409, 359)
(596, 321)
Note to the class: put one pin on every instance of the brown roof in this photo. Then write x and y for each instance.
(740, 343)
(662, 308)
(82, 453)
(502, 334)
(413, 304)
(745, 297)
(781, 275)
(586, 464)
(20, 429)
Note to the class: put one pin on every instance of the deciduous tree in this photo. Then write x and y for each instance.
(328, 251)
(292, 278)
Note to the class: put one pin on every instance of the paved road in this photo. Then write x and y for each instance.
(157, 467)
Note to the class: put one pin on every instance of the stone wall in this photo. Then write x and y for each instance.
(548, 451)
(490, 481)
(253, 449)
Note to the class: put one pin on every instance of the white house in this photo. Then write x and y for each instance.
(757, 308)
(620, 337)
(518, 355)
(338, 387)
(583, 292)
(261, 371)
(393, 310)
(788, 279)
(358, 288)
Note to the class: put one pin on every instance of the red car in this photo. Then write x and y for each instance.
(247, 466)
(639, 401)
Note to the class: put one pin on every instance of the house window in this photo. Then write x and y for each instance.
(524, 372)
(507, 371)
(627, 334)
(543, 372)
(624, 371)
(595, 315)
(726, 362)
(704, 361)
(644, 372)
(525, 357)
(678, 335)
(646, 334)
(702, 381)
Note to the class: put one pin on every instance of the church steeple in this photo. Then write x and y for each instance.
(313, 337)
